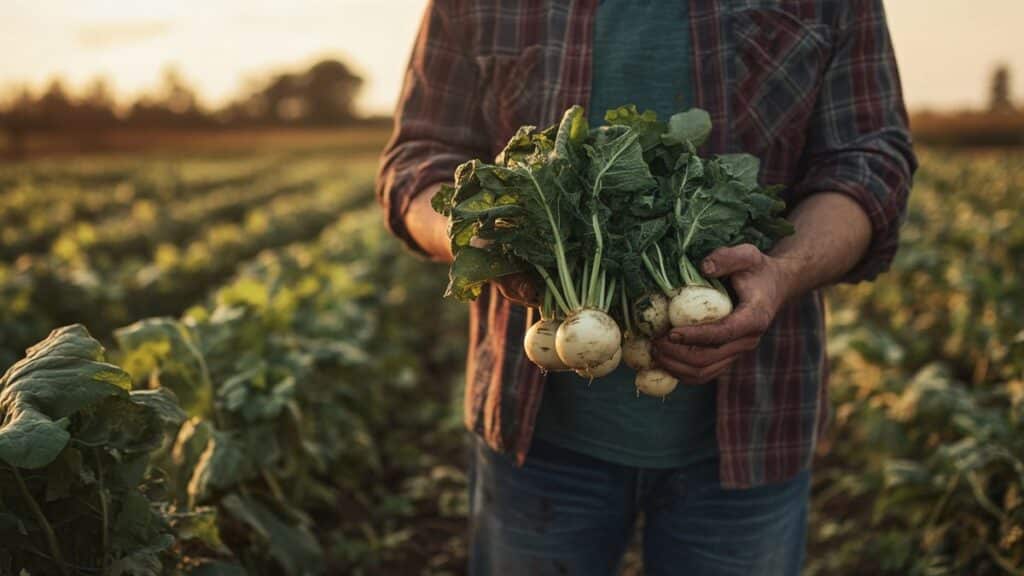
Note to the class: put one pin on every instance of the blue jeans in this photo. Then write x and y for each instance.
(568, 513)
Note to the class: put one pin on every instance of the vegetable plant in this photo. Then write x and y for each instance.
(618, 212)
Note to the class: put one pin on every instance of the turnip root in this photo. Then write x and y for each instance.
(698, 305)
(604, 368)
(655, 382)
(539, 344)
(587, 339)
(651, 315)
(636, 352)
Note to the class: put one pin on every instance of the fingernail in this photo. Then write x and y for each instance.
(709, 267)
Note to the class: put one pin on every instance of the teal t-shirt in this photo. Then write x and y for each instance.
(641, 55)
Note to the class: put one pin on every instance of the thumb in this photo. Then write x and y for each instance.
(731, 259)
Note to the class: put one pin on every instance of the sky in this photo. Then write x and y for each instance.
(946, 48)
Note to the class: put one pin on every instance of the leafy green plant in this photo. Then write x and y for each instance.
(75, 442)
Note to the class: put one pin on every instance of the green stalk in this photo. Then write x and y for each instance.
(627, 317)
(546, 313)
(585, 284)
(661, 263)
(598, 253)
(105, 512)
(552, 289)
(691, 276)
(44, 524)
(611, 295)
(693, 228)
(659, 278)
(679, 205)
(563, 265)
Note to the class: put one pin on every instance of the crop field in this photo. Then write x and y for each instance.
(280, 390)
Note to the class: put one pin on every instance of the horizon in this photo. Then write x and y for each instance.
(130, 45)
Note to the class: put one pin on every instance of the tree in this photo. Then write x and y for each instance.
(330, 92)
(999, 95)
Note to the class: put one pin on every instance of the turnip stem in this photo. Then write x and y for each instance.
(546, 313)
(659, 278)
(626, 313)
(598, 252)
(552, 289)
(661, 263)
(585, 284)
(691, 276)
(611, 295)
(563, 266)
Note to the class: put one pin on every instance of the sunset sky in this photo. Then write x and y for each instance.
(946, 48)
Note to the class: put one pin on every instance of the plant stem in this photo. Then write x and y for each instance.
(598, 253)
(661, 263)
(626, 312)
(585, 284)
(659, 279)
(611, 294)
(679, 204)
(563, 266)
(691, 276)
(552, 289)
(51, 538)
(693, 227)
(104, 513)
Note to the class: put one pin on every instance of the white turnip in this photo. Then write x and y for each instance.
(539, 344)
(651, 315)
(698, 305)
(655, 382)
(602, 369)
(587, 338)
(636, 352)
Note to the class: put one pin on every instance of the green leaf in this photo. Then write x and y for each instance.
(473, 268)
(742, 168)
(572, 133)
(202, 526)
(645, 125)
(617, 163)
(224, 463)
(118, 422)
(60, 377)
(293, 547)
(164, 353)
(692, 126)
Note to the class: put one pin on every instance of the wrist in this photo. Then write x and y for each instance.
(786, 274)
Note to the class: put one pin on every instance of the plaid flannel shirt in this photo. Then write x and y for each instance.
(809, 86)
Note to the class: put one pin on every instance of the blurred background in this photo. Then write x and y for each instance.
(192, 181)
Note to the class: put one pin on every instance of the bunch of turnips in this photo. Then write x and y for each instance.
(610, 220)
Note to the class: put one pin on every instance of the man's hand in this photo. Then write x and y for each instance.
(519, 288)
(699, 354)
(832, 234)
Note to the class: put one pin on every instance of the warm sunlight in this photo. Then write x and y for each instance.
(947, 48)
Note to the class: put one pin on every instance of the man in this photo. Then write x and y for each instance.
(720, 470)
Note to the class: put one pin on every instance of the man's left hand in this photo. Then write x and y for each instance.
(699, 354)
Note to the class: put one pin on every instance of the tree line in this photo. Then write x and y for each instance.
(322, 95)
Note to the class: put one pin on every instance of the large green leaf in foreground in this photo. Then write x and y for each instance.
(59, 377)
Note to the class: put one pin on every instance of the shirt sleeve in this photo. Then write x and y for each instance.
(438, 124)
(859, 142)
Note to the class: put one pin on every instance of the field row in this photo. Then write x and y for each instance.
(157, 202)
(300, 452)
(161, 261)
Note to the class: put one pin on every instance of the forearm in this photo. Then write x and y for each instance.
(832, 235)
(428, 228)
